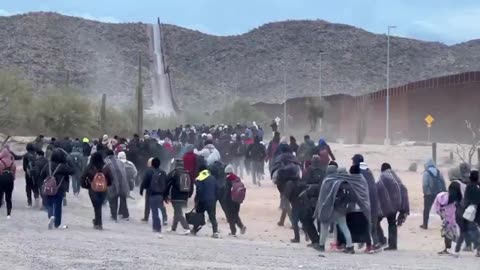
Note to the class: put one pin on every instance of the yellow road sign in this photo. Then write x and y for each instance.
(429, 119)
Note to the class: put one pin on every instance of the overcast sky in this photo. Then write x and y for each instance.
(448, 21)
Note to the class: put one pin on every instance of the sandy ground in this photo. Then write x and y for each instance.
(27, 244)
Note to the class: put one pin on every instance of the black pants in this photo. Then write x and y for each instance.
(146, 213)
(221, 200)
(309, 228)
(427, 207)
(6, 187)
(116, 208)
(97, 199)
(31, 187)
(233, 217)
(210, 208)
(392, 231)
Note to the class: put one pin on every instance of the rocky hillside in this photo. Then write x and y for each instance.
(51, 49)
(212, 70)
(252, 65)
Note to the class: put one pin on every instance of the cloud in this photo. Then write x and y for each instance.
(455, 26)
(88, 16)
(4, 13)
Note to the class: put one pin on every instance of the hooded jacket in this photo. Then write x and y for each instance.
(130, 169)
(432, 181)
(206, 187)
(190, 162)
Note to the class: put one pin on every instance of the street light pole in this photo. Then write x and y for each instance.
(387, 124)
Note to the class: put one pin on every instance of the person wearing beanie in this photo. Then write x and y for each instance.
(175, 191)
(130, 169)
(232, 207)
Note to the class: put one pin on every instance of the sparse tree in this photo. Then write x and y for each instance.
(466, 152)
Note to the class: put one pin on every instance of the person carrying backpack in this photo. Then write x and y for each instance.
(178, 189)
(29, 169)
(433, 183)
(96, 179)
(79, 162)
(7, 178)
(55, 183)
(234, 197)
(154, 182)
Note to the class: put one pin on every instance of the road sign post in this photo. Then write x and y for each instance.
(429, 120)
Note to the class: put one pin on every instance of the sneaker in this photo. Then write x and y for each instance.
(280, 224)
(186, 232)
(160, 235)
(389, 248)
(443, 252)
(216, 235)
(64, 227)
(232, 234)
(170, 230)
(98, 227)
(295, 241)
(423, 227)
(243, 230)
(144, 220)
(8, 217)
(51, 223)
(29, 206)
(349, 250)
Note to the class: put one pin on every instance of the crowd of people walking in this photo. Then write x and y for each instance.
(208, 164)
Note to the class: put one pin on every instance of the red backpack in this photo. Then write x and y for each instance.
(50, 187)
(238, 191)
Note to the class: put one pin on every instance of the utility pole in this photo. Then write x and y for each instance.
(103, 114)
(320, 72)
(140, 97)
(387, 124)
(285, 122)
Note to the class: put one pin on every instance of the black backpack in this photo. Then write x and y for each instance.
(184, 182)
(218, 171)
(158, 183)
(31, 158)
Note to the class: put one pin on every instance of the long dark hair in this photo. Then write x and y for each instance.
(96, 161)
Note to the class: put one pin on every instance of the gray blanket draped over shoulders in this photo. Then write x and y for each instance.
(324, 211)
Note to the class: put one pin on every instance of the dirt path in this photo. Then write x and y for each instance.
(27, 244)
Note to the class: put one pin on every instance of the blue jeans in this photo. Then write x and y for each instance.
(54, 207)
(156, 202)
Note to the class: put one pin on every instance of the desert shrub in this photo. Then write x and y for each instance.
(66, 113)
(16, 102)
(239, 112)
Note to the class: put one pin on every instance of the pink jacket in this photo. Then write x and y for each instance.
(7, 161)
